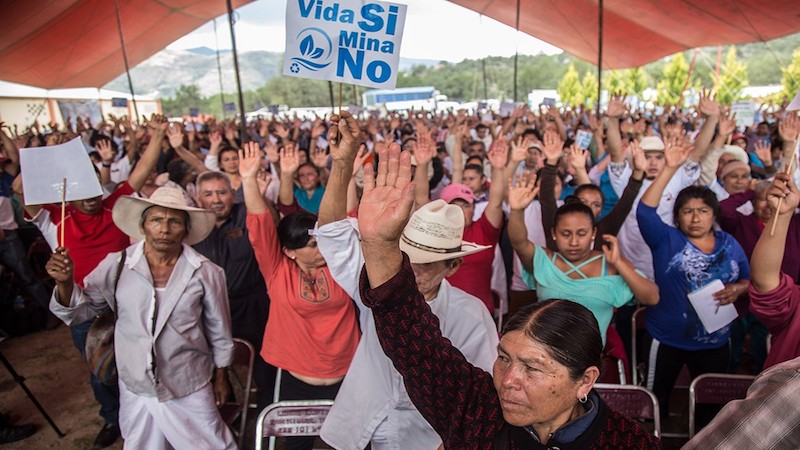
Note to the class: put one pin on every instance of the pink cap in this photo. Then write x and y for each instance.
(457, 191)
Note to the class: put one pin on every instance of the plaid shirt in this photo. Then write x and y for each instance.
(768, 418)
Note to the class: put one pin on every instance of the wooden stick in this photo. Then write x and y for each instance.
(63, 210)
(788, 172)
(340, 97)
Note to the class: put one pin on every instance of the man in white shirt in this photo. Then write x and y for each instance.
(372, 406)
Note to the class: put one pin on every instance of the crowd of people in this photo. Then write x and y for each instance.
(448, 279)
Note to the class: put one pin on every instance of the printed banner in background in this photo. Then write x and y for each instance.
(745, 112)
(348, 41)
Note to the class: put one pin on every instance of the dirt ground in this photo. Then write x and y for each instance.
(57, 376)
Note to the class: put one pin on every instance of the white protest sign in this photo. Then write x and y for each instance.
(745, 112)
(349, 41)
(44, 170)
(795, 105)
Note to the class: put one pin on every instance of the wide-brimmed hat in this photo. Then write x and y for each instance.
(435, 233)
(651, 144)
(127, 214)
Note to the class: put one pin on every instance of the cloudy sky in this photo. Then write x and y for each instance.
(459, 33)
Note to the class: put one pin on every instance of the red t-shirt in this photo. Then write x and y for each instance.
(475, 274)
(90, 237)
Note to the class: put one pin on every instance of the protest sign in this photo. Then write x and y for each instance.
(745, 112)
(795, 104)
(349, 41)
(44, 170)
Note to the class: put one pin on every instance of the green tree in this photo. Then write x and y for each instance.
(186, 97)
(615, 82)
(589, 88)
(732, 79)
(670, 86)
(791, 77)
(635, 81)
(569, 88)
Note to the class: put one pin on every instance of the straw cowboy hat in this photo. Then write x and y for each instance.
(127, 214)
(434, 234)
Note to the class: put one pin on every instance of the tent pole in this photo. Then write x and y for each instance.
(219, 72)
(516, 55)
(125, 59)
(599, 56)
(242, 124)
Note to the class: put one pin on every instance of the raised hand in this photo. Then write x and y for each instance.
(783, 187)
(249, 160)
(498, 153)
(727, 124)
(318, 130)
(281, 131)
(60, 266)
(319, 157)
(789, 127)
(175, 136)
(388, 197)
(576, 156)
(677, 150)
(343, 136)
(764, 152)
(264, 179)
(611, 249)
(272, 152)
(637, 154)
(519, 149)
(289, 160)
(103, 147)
(615, 106)
(425, 149)
(361, 157)
(707, 105)
(553, 147)
(522, 190)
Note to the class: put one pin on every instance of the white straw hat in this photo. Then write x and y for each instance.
(435, 233)
(127, 214)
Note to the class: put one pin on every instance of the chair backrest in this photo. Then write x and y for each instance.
(243, 359)
(291, 418)
(716, 389)
(632, 401)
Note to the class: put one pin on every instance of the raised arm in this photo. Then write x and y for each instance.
(249, 164)
(644, 290)
(289, 163)
(498, 158)
(521, 192)
(458, 155)
(175, 136)
(343, 136)
(765, 263)
(675, 154)
(613, 221)
(423, 153)
(710, 109)
(553, 150)
(139, 174)
(576, 157)
(614, 142)
(12, 152)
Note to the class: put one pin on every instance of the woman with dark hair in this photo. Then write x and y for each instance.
(539, 394)
(598, 280)
(686, 258)
(312, 331)
(224, 158)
